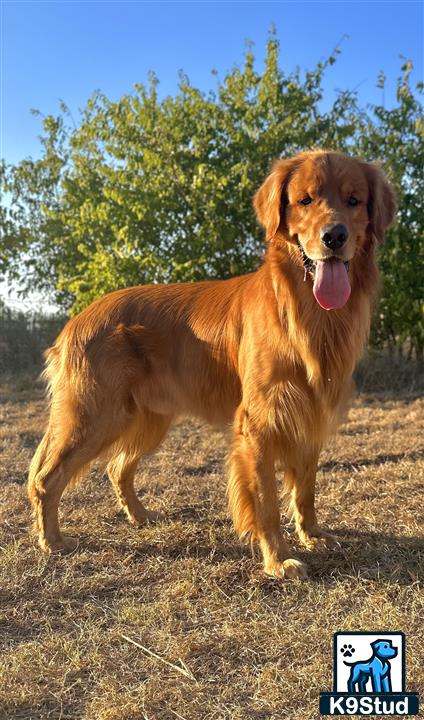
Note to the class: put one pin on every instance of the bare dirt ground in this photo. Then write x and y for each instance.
(229, 643)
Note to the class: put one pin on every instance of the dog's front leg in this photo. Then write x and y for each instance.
(300, 480)
(386, 684)
(253, 497)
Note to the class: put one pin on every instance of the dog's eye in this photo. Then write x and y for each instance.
(306, 200)
(353, 201)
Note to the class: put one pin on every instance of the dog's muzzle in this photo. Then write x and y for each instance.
(309, 265)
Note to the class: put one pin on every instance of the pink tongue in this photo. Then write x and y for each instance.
(331, 284)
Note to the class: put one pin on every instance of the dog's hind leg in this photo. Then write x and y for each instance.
(142, 438)
(52, 468)
(65, 452)
(362, 684)
(353, 680)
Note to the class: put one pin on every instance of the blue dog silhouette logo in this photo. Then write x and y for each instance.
(369, 676)
(377, 668)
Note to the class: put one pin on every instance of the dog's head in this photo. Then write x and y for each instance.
(332, 206)
(384, 649)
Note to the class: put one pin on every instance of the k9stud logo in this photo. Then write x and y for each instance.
(369, 676)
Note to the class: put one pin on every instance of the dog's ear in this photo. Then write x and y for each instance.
(271, 198)
(381, 201)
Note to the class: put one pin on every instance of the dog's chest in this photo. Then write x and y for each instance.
(301, 414)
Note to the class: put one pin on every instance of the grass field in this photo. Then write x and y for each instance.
(229, 643)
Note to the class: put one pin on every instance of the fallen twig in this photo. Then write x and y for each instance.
(183, 670)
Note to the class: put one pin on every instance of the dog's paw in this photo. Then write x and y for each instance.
(318, 539)
(142, 516)
(64, 545)
(347, 650)
(290, 569)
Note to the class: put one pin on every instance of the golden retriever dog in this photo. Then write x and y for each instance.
(271, 352)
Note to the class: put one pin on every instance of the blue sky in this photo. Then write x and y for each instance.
(66, 50)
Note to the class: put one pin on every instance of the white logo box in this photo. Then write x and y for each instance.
(361, 642)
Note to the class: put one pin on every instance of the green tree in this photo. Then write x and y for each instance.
(147, 189)
(396, 136)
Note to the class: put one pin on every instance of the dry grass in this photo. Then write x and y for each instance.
(242, 646)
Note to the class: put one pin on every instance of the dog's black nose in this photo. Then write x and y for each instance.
(334, 236)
